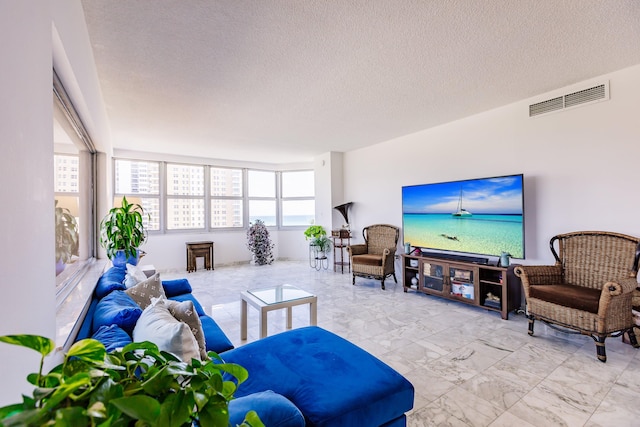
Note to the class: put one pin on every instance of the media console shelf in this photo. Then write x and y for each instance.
(487, 286)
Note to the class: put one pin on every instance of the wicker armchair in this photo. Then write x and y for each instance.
(589, 289)
(375, 258)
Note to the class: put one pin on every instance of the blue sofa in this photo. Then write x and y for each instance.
(307, 376)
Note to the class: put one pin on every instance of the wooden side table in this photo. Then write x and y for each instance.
(196, 250)
(341, 240)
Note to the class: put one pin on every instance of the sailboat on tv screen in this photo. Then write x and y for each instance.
(461, 212)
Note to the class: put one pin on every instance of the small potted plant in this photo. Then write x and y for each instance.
(122, 231)
(66, 237)
(135, 385)
(259, 243)
(314, 231)
(319, 245)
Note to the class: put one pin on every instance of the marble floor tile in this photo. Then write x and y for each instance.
(469, 367)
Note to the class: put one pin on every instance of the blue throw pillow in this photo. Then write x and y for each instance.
(176, 287)
(111, 280)
(273, 409)
(117, 308)
(112, 337)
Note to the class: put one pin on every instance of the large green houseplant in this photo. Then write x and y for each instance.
(122, 231)
(136, 385)
(66, 235)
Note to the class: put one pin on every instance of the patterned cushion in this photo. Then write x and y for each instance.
(145, 290)
(185, 312)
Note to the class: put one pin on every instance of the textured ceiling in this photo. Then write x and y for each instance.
(282, 81)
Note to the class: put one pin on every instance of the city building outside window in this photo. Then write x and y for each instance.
(185, 197)
(139, 181)
(226, 198)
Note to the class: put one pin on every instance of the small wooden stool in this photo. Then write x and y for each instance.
(199, 249)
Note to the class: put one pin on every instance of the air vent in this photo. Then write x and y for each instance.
(584, 96)
(546, 106)
(581, 97)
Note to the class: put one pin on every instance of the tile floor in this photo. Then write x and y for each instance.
(468, 366)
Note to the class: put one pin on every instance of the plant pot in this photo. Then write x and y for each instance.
(121, 261)
(60, 266)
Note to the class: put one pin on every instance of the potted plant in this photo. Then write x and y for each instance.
(322, 243)
(259, 243)
(319, 245)
(66, 237)
(122, 232)
(137, 384)
(314, 231)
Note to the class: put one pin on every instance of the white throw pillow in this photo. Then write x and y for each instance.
(158, 326)
(134, 276)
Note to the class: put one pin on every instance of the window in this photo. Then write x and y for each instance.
(298, 201)
(73, 184)
(139, 181)
(226, 198)
(262, 196)
(185, 197)
(197, 197)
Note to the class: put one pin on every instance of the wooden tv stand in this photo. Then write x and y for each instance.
(486, 286)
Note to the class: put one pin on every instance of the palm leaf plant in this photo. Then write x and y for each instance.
(122, 229)
(136, 385)
(66, 234)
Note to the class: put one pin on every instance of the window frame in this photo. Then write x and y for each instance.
(203, 197)
(275, 198)
(130, 195)
(282, 199)
(241, 198)
(209, 198)
(71, 294)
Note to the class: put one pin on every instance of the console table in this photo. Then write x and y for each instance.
(196, 250)
(491, 287)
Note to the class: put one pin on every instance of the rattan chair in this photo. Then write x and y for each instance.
(589, 290)
(375, 258)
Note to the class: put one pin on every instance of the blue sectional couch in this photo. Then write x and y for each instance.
(307, 376)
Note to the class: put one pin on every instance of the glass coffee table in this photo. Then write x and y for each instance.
(275, 298)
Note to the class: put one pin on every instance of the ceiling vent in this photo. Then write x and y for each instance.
(582, 97)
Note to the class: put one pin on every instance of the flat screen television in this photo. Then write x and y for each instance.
(476, 216)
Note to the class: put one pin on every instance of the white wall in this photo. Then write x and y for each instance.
(581, 166)
(26, 169)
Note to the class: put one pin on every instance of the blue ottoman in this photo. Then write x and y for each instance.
(332, 381)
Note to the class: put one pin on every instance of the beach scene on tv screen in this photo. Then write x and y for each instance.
(480, 216)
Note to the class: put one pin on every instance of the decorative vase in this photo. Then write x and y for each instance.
(407, 248)
(504, 259)
(60, 265)
(121, 261)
